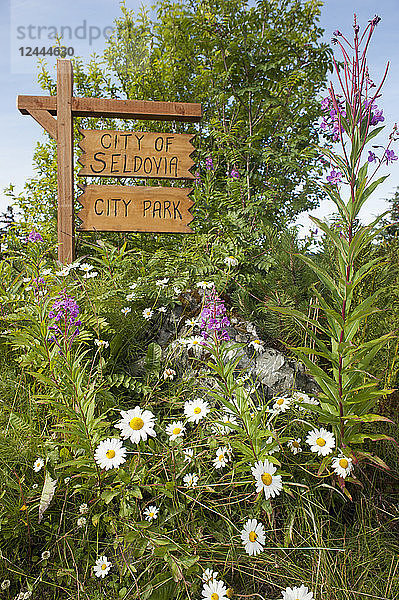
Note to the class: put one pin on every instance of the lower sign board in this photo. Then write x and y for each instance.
(131, 208)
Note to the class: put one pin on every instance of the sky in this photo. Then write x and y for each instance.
(33, 23)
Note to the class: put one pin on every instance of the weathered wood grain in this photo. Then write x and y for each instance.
(190, 112)
(65, 223)
(110, 153)
(135, 208)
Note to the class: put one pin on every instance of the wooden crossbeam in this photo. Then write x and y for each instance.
(120, 109)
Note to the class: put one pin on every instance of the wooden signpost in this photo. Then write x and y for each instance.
(109, 153)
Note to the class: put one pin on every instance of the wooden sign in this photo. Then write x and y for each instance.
(130, 208)
(172, 166)
(108, 153)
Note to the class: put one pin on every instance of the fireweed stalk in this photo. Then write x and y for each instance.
(351, 116)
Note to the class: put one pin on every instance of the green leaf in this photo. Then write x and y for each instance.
(152, 361)
(108, 495)
(358, 438)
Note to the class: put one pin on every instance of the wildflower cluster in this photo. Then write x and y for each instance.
(65, 312)
(213, 318)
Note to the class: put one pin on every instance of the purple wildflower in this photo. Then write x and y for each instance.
(234, 174)
(325, 103)
(371, 157)
(214, 319)
(209, 164)
(65, 312)
(335, 177)
(198, 181)
(376, 117)
(390, 156)
(34, 236)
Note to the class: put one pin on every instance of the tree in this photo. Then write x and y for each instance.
(256, 70)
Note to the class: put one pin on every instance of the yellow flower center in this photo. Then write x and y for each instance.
(252, 536)
(151, 514)
(321, 442)
(136, 423)
(266, 478)
(197, 410)
(110, 453)
(343, 463)
(257, 342)
(221, 457)
(230, 593)
(280, 401)
(176, 430)
(103, 567)
(214, 596)
(296, 444)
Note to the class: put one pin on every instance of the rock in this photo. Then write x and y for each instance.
(269, 371)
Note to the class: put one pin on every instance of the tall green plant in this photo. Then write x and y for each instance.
(348, 392)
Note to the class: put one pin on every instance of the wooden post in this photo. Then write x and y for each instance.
(65, 161)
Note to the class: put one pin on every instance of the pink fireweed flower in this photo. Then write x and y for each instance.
(34, 236)
(213, 318)
(390, 156)
(335, 177)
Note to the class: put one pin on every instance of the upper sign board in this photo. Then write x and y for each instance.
(109, 153)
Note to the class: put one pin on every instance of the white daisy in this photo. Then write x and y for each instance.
(191, 322)
(208, 575)
(300, 397)
(102, 566)
(253, 537)
(126, 310)
(147, 313)
(321, 441)
(231, 261)
(162, 283)
(295, 445)
(45, 272)
(85, 267)
(175, 430)
(81, 522)
(177, 291)
(188, 454)
(222, 457)
(101, 343)
(133, 286)
(228, 419)
(281, 404)
(130, 297)
(264, 474)
(162, 309)
(195, 343)
(257, 345)
(190, 480)
(151, 513)
(38, 465)
(110, 454)
(214, 590)
(342, 465)
(205, 285)
(136, 424)
(195, 410)
(83, 509)
(297, 593)
(169, 374)
(45, 554)
(90, 275)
